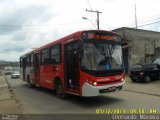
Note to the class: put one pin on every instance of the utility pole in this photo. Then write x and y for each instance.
(97, 12)
(135, 16)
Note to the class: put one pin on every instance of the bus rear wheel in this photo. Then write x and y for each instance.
(59, 90)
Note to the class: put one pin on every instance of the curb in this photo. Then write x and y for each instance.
(5, 93)
(12, 97)
(9, 86)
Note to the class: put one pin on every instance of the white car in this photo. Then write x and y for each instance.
(7, 70)
(15, 74)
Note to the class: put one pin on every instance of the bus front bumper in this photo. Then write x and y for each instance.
(90, 90)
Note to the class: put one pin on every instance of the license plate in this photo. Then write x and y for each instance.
(112, 88)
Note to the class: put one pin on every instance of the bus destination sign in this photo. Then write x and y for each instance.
(100, 36)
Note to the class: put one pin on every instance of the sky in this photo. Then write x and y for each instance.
(29, 24)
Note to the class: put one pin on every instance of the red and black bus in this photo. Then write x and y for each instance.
(85, 63)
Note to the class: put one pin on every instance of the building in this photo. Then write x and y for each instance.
(139, 46)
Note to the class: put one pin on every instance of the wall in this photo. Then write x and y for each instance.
(143, 45)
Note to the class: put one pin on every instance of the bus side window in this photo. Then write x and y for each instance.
(31, 60)
(56, 54)
(36, 60)
(27, 61)
(45, 57)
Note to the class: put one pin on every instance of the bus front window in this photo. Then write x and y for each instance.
(102, 56)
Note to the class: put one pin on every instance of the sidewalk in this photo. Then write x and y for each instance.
(7, 102)
(152, 88)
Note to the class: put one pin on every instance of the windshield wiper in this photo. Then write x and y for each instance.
(106, 51)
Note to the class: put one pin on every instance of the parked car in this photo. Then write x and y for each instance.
(15, 74)
(145, 72)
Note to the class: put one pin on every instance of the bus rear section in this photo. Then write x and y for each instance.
(86, 63)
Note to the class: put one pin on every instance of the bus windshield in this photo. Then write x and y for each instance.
(101, 56)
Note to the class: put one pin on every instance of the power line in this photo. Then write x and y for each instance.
(107, 25)
(90, 7)
(150, 19)
(51, 25)
(97, 12)
(149, 24)
(143, 21)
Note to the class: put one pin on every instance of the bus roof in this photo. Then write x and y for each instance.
(73, 35)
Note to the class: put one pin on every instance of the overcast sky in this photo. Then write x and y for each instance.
(28, 24)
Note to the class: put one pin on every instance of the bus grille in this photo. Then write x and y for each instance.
(105, 73)
(108, 82)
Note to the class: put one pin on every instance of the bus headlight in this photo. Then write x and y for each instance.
(90, 82)
(122, 79)
(95, 83)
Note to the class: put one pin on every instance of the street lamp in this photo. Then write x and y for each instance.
(89, 20)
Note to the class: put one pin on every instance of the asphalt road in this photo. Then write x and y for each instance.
(44, 101)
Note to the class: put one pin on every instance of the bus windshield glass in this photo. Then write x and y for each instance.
(101, 56)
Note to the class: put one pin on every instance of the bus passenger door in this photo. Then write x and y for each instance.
(24, 68)
(36, 68)
(71, 61)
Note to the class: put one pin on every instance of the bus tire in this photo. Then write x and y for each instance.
(59, 89)
(30, 85)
